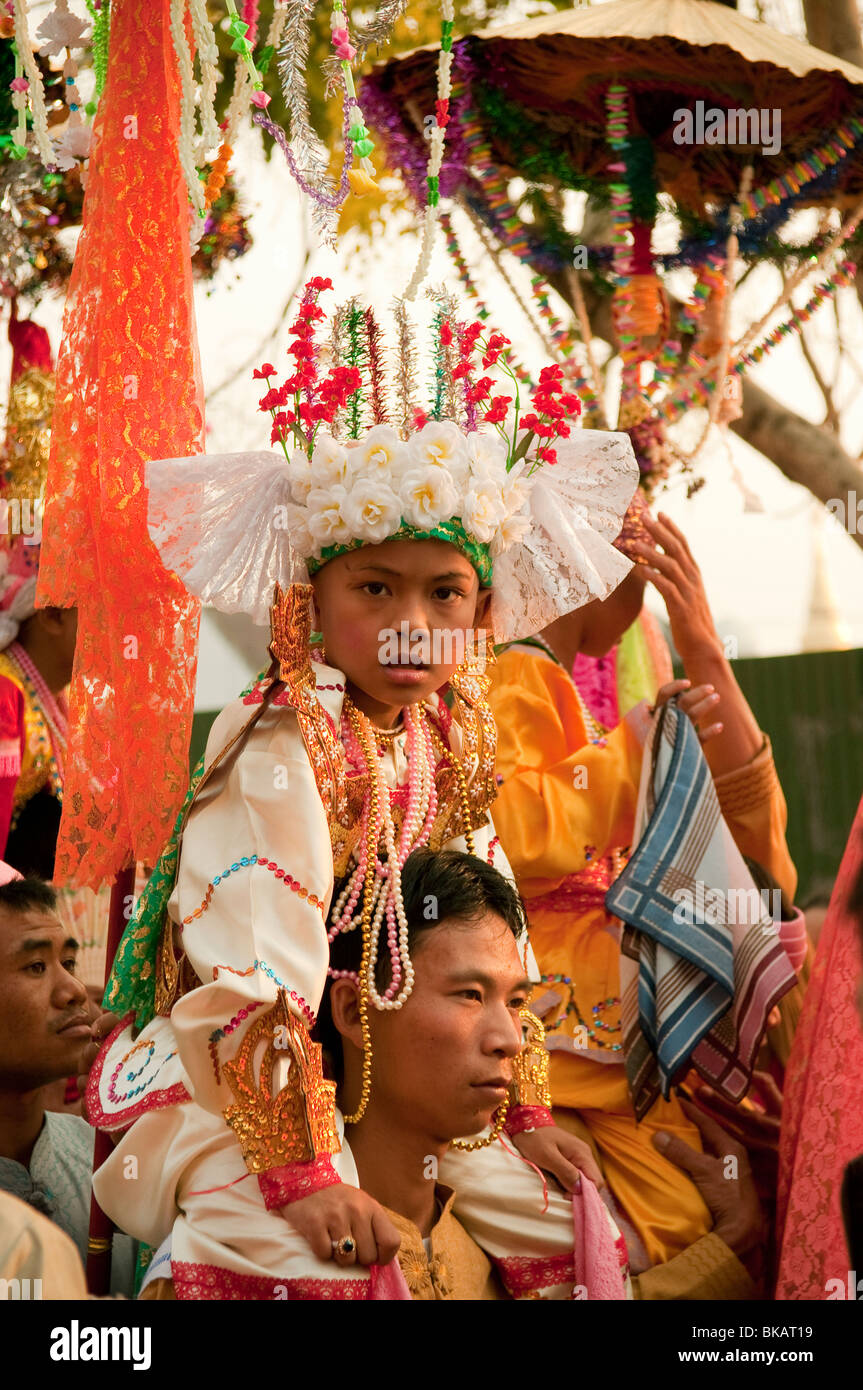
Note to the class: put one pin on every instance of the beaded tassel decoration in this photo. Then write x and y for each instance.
(362, 179)
(437, 139)
(28, 83)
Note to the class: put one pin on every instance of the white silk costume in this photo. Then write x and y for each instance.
(251, 899)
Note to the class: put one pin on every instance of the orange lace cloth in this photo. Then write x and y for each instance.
(128, 390)
(822, 1113)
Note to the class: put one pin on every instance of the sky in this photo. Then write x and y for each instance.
(755, 534)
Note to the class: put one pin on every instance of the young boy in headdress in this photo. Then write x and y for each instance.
(316, 786)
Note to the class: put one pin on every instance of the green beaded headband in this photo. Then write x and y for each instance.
(452, 531)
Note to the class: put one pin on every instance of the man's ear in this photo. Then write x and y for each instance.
(345, 1010)
(483, 608)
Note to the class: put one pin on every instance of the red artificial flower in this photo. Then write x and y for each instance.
(319, 283)
(571, 403)
(301, 348)
(549, 374)
(263, 372)
(529, 422)
(481, 389)
(446, 333)
(497, 412)
(269, 401)
(420, 418)
(461, 370)
(547, 454)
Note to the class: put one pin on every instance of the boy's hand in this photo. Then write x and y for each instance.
(559, 1153)
(326, 1217)
(105, 1024)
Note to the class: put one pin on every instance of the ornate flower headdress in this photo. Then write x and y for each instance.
(532, 503)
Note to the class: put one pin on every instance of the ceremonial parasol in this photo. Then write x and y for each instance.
(669, 53)
(728, 124)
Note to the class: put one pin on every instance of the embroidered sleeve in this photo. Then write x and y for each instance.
(254, 883)
(291, 1125)
(752, 802)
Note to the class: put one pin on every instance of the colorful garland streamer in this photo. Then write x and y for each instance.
(437, 140)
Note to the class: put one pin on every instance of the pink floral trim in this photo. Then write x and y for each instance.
(247, 862)
(308, 1013)
(293, 1181)
(527, 1117)
(210, 1282)
(524, 1274)
(154, 1100)
(225, 1032)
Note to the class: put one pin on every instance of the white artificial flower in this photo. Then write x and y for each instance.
(488, 455)
(326, 520)
(512, 529)
(380, 457)
(482, 509)
(331, 464)
(440, 444)
(301, 537)
(372, 511)
(428, 496)
(515, 492)
(300, 474)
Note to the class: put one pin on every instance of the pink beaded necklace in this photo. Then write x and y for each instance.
(52, 711)
(387, 905)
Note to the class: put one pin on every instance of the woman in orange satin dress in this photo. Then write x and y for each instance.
(565, 808)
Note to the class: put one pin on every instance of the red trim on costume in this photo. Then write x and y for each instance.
(293, 1181)
(524, 1274)
(198, 1281)
(119, 1119)
(527, 1117)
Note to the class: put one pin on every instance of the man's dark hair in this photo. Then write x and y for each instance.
(27, 894)
(437, 886)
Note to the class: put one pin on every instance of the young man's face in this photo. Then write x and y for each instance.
(44, 1017)
(365, 597)
(443, 1062)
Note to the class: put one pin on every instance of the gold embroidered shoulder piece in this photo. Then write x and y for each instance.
(296, 1125)
(530, 1068)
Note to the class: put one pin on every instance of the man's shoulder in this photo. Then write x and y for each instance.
(70, 1134)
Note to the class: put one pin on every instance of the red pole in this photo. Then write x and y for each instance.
(101, 1226)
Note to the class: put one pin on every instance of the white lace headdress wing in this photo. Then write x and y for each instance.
(576, 508)
(220, 522)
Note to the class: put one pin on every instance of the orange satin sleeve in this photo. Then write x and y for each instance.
(753, 804)
(561, 800)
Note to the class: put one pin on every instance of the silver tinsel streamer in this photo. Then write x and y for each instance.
(308, 149)
(406, 369)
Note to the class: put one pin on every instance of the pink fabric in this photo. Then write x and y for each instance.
(388, 1283)
(822, 1119)
(597, 1257)
(596, 678)
(7, 873)
(792, 935)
